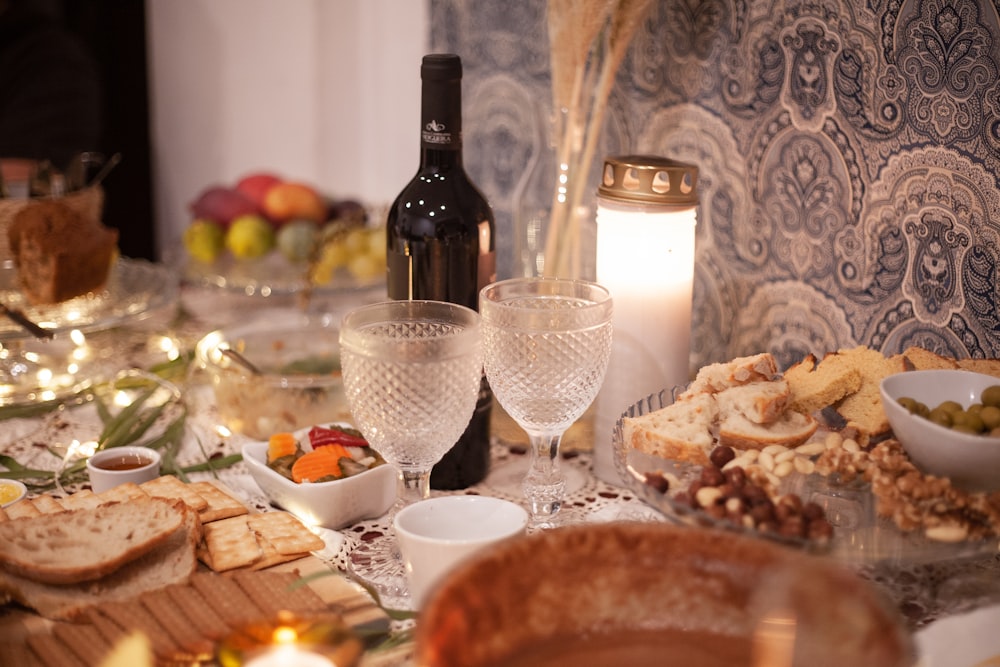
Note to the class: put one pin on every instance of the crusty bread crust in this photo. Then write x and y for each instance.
(75, 546)
(791, 430)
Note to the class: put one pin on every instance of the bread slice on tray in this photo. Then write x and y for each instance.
(713, 378)
(172, 561)
(743, 403)
(82, 545)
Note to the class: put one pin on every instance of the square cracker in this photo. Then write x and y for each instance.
(222, 504)
(230, 544)
(168, 486)
(286, 533)
(122, 493)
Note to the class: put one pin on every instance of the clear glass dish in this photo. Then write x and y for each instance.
(270, 275)
(860, 537)
(134, 288)
(34, 371)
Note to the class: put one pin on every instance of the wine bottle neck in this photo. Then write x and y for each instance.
(441, 121)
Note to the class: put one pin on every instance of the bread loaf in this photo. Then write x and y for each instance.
(60, 253)
(75, 546)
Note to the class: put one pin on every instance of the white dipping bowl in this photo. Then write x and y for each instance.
(971, 462)
(109, 468)
(438, 533)
(11, 491)
(333, 505)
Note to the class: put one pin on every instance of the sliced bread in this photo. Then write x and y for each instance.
(862, 409)
(791, 430)
(924, 360)
(173, 561)
(714, 378)
(761, 402)
(681, 431)
(984, 366)
(82, 545)
(815, 386)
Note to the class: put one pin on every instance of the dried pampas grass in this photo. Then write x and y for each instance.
(588, 40)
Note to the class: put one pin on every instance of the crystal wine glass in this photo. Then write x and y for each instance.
(411, 372)
(546, 344)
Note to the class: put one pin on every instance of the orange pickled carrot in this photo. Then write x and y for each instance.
(316, 464)
(281, 444)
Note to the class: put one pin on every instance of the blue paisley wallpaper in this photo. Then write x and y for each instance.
(848, 154)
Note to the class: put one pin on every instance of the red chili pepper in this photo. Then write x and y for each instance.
(320, 436)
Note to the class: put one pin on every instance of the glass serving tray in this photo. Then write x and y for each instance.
(36, 371)
(134, 288)
(860, 537)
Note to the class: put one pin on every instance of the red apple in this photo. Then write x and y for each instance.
(290, 200)
(255, 186)
(221, 204)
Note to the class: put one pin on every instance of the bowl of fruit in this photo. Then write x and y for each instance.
(280, 371)
(267, 235)
(948, 421)
(326, 475)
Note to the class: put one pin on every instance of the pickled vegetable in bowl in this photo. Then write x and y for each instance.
(280, 372)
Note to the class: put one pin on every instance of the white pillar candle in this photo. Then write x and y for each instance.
(645, 257)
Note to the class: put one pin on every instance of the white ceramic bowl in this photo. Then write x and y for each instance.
(109, 468)
(298, 355)
(437, 533)
(333, 504)
(971, 462)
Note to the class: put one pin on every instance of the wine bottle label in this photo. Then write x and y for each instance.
(438, 135)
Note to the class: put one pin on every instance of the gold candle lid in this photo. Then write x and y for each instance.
(648, 179)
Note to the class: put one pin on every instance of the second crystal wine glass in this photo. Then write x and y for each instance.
(546, 344)
(411, 373)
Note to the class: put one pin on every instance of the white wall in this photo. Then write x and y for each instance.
(326, 91)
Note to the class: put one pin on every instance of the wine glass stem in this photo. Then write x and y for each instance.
(412, 486)
(544, 485)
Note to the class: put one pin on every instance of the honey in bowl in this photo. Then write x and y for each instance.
(124, 462)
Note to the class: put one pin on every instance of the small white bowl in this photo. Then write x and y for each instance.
(436, 534)
(333, 504)
(971, 462)
(110, 467)
(11, 491)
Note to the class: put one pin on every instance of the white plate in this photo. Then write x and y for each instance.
(966, 640)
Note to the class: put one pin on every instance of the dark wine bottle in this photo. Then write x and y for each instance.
(440, 243)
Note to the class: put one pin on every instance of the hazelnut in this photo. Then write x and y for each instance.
(736, 476)
(712, 477)
(658, 481)
(721, 455)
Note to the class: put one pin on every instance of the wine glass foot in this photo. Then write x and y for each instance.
(379, 566)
